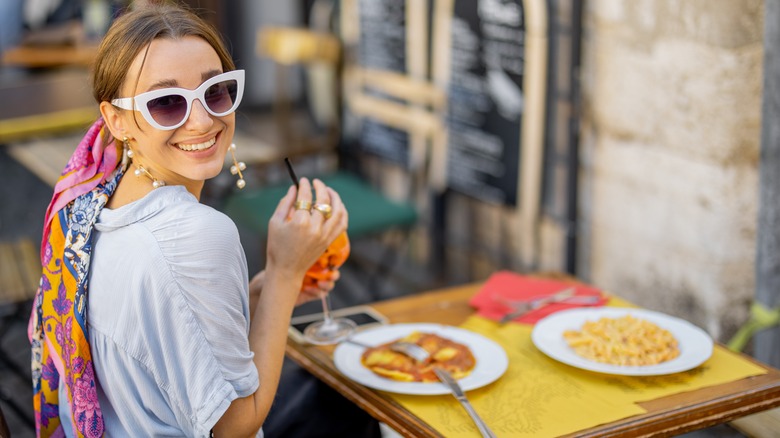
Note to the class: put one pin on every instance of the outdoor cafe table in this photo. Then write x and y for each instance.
(667, 415)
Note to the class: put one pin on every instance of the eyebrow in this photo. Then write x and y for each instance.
(166, 83)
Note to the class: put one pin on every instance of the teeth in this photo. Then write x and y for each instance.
(197, 147)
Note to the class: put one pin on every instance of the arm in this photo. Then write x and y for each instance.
(305, 295)
(293, 246)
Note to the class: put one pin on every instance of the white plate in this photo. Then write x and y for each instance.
(492, 360)
(695, 344)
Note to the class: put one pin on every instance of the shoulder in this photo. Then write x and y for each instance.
(179, 208)
(173, 231)
(177, 218)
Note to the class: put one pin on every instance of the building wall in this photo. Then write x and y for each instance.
(669, 155)
(668, 182)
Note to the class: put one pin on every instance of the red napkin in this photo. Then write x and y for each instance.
(505, 285)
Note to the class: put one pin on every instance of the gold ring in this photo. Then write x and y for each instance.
(325, 209)
(302, 205)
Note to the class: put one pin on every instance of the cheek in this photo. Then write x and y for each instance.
(154, 144)
(230, 122)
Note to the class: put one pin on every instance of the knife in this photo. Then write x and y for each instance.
(535, 304)
(449, 381)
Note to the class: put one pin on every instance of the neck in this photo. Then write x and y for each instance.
(132, 188)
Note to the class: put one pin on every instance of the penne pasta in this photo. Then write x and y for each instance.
(623, 341)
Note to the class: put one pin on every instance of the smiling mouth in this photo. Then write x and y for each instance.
(197, 147)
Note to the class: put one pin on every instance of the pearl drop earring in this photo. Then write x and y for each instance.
(237, 167)
(127, 154)
(139, 169)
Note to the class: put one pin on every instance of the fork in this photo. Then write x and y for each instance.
(421, 355)
(524, 307)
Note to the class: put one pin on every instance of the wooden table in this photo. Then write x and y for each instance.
(665, 416)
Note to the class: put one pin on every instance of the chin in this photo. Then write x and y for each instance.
(204, 173)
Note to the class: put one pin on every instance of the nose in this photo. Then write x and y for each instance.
(199, 118)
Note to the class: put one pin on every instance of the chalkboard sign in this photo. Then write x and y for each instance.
(382, 46)
(485, 99)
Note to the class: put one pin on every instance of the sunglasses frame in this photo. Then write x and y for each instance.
(140, 101)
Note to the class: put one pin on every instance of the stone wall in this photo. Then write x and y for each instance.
(669, 155)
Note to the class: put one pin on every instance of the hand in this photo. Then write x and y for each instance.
(307, 293)
(297, 238)
(314, 293)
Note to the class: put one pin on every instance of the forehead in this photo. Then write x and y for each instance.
(177, 62)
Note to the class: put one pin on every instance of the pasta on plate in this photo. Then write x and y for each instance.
(626, 341)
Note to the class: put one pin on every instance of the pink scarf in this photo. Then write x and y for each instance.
(89, 165)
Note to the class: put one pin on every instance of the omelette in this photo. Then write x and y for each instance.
(445, 353)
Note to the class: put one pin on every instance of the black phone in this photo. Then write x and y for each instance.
(363, 316)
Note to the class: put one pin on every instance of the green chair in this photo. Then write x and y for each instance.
(371, 214)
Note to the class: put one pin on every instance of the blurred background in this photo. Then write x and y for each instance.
(630, 144)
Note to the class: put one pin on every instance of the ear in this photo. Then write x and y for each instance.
(114, 120)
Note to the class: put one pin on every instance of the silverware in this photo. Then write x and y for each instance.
(527, 306)
(421, 355)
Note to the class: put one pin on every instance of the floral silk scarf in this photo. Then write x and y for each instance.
(58, 326)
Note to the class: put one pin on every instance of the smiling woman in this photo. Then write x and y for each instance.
(141, 324)
(188, 114)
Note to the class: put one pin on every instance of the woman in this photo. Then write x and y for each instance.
(166, 347)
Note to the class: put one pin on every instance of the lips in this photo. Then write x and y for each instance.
(197, 146)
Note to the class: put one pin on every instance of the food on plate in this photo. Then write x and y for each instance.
(444, 353)
(623, 341)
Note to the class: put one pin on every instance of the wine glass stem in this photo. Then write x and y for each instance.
(325, 307)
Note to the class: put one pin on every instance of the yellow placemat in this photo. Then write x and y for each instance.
(539, 396)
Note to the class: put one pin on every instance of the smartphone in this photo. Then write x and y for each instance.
(363, 316)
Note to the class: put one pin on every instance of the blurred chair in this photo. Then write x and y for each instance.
(371, 213)
(20, 273)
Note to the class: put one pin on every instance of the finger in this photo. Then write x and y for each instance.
(304, 195)
(284, 206)
(339, 210)
(322, 191)
(308, 294)
(330, 283)
(326, 286)
(323, 197)
(335, 274)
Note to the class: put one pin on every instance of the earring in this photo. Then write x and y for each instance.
(141, 170)
(127, 154)
(237, 167)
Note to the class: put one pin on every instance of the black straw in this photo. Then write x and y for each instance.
(292, 172)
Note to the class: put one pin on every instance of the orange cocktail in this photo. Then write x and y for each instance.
(333, 257)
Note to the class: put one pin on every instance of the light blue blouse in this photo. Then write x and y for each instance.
(168, 317)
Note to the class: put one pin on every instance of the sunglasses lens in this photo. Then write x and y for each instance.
(221, 96)
(168, 110)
